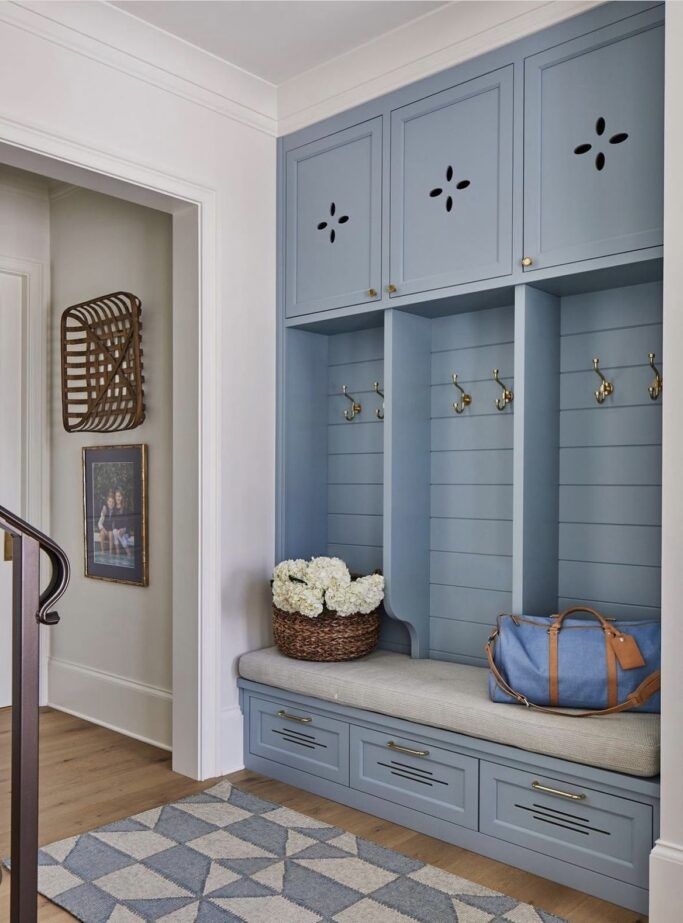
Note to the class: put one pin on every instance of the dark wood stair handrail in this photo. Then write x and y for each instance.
(30, 610)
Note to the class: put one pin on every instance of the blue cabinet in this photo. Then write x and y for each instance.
(404, 223)
(593, 151)
(435, 781)
(581, 825)
(333, 221)
(451, 186)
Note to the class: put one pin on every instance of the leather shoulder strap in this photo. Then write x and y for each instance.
(649, 686)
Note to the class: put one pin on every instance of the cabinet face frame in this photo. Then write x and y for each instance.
(538, 218)
(328, 228)
(500, 82)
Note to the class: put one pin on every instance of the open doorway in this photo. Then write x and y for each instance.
(124, 657)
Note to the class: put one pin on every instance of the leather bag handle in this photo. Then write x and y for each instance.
(559, 619)
(649, 686)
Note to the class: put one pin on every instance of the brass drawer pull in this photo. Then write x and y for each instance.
(408, 750)
(288, 717)
(556, 791)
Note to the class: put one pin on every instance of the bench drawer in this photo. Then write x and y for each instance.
(579, 825)
(299, 738)
(426, 778)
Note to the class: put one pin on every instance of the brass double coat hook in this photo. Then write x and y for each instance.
(507, 396)
(657, 385)
(465, 399)
(606, 387)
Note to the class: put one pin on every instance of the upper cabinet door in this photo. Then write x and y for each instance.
(593, 157)
(333, 221)
(451, 186)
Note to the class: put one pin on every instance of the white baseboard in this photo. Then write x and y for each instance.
(131, 708)
(231, 738)
(666, 882)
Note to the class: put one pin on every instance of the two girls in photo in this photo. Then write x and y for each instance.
(113, 524)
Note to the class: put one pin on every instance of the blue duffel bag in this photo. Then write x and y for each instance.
(556, 662)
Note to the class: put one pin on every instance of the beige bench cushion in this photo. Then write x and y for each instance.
(455, 697)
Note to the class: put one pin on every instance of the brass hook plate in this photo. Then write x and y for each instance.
(507, 396)
(606, 387)
(465, 399)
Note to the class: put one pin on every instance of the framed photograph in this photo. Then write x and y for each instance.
(115, 513)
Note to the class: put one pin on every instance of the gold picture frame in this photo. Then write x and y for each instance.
(115, 514)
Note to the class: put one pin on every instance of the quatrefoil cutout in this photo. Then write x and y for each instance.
(459, 186)
(600, 159)
(342, 219)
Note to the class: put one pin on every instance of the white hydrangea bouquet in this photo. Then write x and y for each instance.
(321, 613)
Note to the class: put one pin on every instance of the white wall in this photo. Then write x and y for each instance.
(666, 864)
(110, 657)
(100, 106)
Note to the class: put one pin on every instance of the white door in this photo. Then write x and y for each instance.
(12, 439)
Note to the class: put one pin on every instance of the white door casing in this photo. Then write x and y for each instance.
(24, 446)
(196, 646)
(11, 449)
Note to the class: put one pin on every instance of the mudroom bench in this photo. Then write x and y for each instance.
(418, 742)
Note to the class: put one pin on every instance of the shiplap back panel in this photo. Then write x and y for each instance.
(610, 454)
(471, 482)
(355, 474)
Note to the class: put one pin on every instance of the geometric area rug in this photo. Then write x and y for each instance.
(224, 855)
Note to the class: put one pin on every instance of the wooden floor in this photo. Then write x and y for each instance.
(91, 776)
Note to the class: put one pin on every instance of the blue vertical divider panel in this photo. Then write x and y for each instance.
(536, 466)
(406, 526)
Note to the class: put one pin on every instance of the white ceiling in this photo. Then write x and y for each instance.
(278, 39)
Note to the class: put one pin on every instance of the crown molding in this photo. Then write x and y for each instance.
(119, 40)
(438, 40)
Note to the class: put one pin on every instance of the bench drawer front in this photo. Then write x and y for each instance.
(299, 738)
(594, 830)
(415, 775)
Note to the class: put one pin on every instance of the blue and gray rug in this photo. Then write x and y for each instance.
(224, 856)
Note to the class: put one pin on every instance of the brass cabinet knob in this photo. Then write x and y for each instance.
(391, 288)
(372, 293)
(527, 261)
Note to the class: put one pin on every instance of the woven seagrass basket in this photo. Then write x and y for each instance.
(329, 637)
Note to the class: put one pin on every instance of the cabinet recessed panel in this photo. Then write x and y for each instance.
(594, 146)
(451, 182)
(334, 220)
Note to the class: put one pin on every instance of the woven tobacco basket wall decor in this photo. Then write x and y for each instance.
(102, 380)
